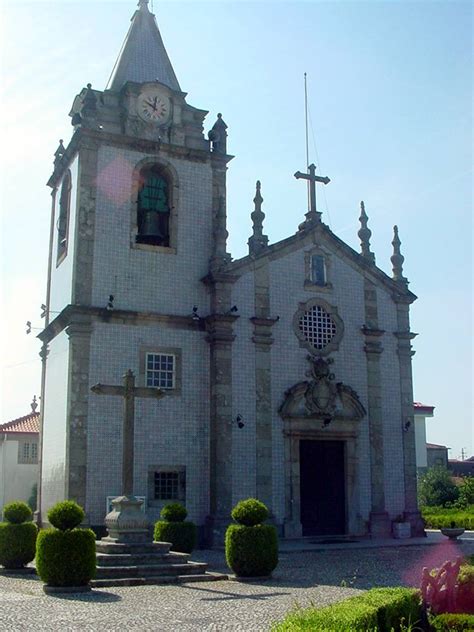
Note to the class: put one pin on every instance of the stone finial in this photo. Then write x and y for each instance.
(397, 258)
(258, 241)
(365, 234)
(218, 136)
(143, 4)
(220, 255)
(60, 151)
(89, 101)
(34, 404)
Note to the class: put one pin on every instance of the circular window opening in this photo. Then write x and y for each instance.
(317, 327)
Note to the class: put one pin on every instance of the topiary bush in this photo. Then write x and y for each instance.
(17, 536)
(251, 549)
(66, 515)
(173, 528)
(174, 512)
(65, 556)
(250, 512)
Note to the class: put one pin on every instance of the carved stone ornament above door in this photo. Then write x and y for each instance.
(321, 397)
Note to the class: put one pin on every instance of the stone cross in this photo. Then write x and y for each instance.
(128, 391)
(312, 178)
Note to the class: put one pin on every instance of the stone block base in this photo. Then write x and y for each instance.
(417, 524)
(380, 525)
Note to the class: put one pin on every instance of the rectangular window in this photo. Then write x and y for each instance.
(160, 370)
(166, 486)
(318, 270)
(28, 452)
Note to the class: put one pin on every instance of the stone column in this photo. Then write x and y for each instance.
(380, 525)
(79, 332)
(404, 337)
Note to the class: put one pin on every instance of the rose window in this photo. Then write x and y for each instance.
(317, 326)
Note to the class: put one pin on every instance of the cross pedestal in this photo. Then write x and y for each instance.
(126, 522)
(313, 215)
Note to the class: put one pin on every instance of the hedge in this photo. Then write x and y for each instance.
(380, 609)
(446, 622)
(441, 517)
(66, 558)
(465, 593)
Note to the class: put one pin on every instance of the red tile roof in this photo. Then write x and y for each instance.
(422, 408)
(26, 424)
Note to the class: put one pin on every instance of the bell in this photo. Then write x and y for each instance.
(150, 229)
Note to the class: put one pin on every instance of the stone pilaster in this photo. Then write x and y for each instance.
(404, 337)
(220, 338)
(262, 338)
(79, 332)
(379, 519)
(85, 222)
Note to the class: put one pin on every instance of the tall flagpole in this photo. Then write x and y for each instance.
(306, 129)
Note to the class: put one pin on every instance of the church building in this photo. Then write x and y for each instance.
(286, 374)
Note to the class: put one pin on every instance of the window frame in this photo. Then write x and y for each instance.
(309, 283)
(28, 459)
(170, 351)
(333, 344)
(153, 470)
(64, 202)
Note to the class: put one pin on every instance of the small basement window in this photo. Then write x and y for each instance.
(166, 482)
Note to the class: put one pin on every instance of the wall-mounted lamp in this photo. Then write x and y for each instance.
(195, 316)
(239, 420)
(110, 303)
(326, 422)
(406, 426)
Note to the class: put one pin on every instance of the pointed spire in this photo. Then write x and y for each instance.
(397, 258)
(258, 241)
(365, 234)
(143, 56)
(59, 153)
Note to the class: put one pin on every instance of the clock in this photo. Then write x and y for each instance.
(153, 106)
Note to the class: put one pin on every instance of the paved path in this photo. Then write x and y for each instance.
(319, 577)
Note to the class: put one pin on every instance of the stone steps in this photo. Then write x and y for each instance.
(158, 579)
(145, 570)
(141, 563)
(139, 559)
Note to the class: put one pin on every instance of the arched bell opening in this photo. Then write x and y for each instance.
(154, 206)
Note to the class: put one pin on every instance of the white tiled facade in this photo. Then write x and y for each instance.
(230, 365)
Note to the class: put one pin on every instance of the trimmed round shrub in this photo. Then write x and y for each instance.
(66, 515)
(17, 512)
(17, 544)
(174, 512)
(182, 535)
(250, 512)
(251, 551)
(447, 622)
(66, 558)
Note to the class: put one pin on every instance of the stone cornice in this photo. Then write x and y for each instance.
(405, 335)
(84, 135)
(372, 332)
(74, 316)
(263, 322)
(220, 328)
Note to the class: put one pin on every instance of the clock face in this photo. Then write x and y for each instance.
(153, 106)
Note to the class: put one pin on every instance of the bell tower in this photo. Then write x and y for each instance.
(138, 221)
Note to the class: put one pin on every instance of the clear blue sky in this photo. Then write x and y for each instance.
(390, 89)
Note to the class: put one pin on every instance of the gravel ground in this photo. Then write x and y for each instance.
(319, 577)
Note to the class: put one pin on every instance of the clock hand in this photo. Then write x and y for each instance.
(152, 105)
